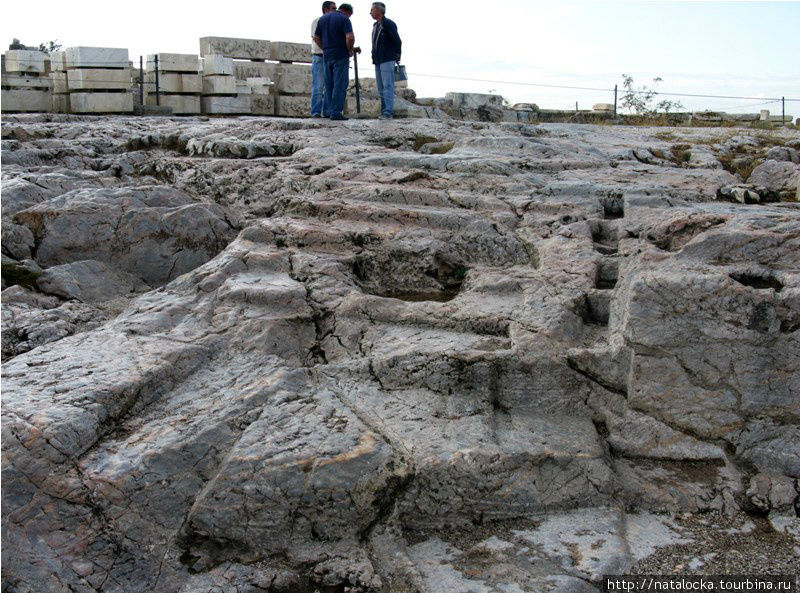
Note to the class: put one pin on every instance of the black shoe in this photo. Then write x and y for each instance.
(339, 118)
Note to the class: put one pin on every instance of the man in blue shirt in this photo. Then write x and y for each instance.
(386, 47)
(334, 35)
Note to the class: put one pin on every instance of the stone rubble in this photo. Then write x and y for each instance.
(423, 356)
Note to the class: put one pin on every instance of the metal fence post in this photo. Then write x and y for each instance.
(158, 93)
(615, 100)
(783, 111)
(141, 80)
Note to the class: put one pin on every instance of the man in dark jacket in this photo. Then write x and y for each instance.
(334, 34)
(386, 46)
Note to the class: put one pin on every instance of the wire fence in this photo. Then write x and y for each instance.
(155, 71)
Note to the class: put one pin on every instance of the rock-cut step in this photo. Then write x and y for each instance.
(472, 466)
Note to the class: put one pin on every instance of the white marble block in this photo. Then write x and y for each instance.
(216, 64)
(188, 63)
(95, 79)
(227, 105)
(26, 100)
(96, 57)
(23, 61)
(173, 82)
(292, 83)
(369, 107)
(180, 104)
(365, 84)
(473, 100)
(59, 80)
(245, 70)
(101, 102)
(282, 51)
(58, 61)
(22, 81)
(60, 103)
(219, 85)
(293, 106)
(260, 85)
(231, 47)
(261, 104)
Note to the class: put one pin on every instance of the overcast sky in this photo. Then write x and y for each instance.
(749, 49)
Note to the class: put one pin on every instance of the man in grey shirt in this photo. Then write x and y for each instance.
(317, 72)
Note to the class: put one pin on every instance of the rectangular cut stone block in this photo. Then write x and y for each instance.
(26, 100)
(369, 107)
(216, 64)
(365, 84)
(242, 88)
(25, 61)
(60, 103)
(101, 102)
(180, 104)
(294, 69)
(262, 86)
(173, 82)
(245, 70)
(188, 63)
(294, 84)
(96, 57)
(261, 104)
(20, 81)
(293, 106)
(282, 51)
(232, 47)
(59, 80)
(58, 61)
(227, 105)
(219, 85)
(87, 79)
(473, 100)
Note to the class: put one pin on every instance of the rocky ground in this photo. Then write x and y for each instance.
(262, 355)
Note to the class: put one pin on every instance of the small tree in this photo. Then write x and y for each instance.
(640, 100)
(50, 46)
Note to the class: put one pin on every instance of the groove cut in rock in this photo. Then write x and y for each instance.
(605, 237)
(758, 281)
(408, 277)
(594, 308)
(606, 275)
(613, 207)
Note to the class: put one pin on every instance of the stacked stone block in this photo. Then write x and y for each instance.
(58, 78)
(26, 86)
(179, 82)
(275, 77)
(370, 99)
(98, 80)
(225, 90)
(293, 84)
(262, 101)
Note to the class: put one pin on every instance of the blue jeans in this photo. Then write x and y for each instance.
(384, 76)
(317, 85)
(337, 75)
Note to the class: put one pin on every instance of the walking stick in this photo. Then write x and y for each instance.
(358, 87)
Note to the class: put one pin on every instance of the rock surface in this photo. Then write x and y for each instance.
(499, 363)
